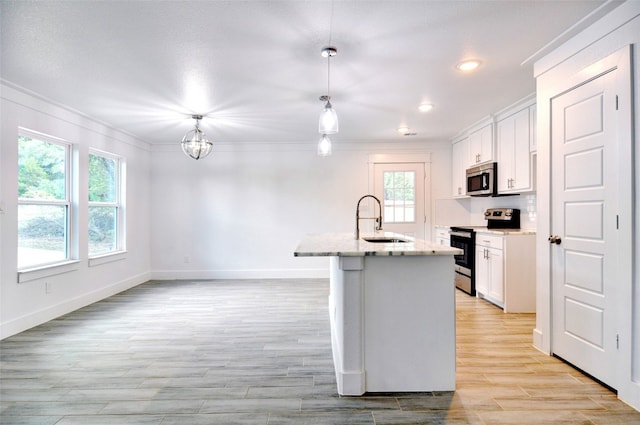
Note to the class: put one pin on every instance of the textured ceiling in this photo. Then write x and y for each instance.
(254, 67)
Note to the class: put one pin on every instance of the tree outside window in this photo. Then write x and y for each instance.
(399, 200)
(104, 204)
(43, 201)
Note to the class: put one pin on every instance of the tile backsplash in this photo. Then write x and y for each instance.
(470, 211)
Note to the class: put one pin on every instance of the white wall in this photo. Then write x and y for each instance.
(242, 211)
(26, 304)
(572, 61)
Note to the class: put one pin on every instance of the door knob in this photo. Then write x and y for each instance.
(555, 239)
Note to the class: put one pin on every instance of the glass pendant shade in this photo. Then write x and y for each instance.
(328, 123)
(196, 145)
(324, 146)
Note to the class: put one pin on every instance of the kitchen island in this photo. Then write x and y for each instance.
(392, 312)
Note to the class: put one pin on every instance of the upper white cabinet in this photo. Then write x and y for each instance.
(481, 145)
(533, 141)
(508, 138)
(514, 152)
(459, 165)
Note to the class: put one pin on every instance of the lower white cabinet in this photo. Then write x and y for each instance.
(505, 271)
(489, 278)
(442, 236)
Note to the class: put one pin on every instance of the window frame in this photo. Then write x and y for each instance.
(120, 234)
(69, 263)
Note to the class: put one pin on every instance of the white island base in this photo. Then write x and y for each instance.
(393, 323)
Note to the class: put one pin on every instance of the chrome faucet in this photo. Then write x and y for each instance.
(378, 219)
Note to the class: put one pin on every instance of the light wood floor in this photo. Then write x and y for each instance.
(258, 352)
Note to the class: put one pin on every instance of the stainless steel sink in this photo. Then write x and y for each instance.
(384, 240)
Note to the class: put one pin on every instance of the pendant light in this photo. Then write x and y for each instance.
(328, 123)
(194, 143)
(324, 146)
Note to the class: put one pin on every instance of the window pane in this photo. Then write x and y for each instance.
(41, 169)
(399, 196)
(410, 214)
(409, 179)
(41, 234)
(102, 229)
(102, 179)
(388, 214)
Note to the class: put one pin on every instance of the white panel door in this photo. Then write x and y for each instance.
(584, 215)
(401, 189)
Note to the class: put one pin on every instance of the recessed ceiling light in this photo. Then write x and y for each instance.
(425, 107)
(468, 65)
(403, 130)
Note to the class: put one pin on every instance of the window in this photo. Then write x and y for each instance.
(399, 196)
(105, 209)
(44, 201)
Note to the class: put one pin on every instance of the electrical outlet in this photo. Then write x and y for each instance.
(48, 288)
(187, 259)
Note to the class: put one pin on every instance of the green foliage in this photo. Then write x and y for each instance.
(399, 186)
(102, 179)
(41, 169)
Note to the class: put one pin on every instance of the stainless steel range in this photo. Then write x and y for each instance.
(464, 238)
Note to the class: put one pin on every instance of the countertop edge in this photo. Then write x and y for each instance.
(344, 245)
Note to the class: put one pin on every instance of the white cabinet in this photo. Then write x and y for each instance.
(533, 135)
(442, 236)
(481, 145)
(459, 165)
(514, 153)
(489, 265)
(505, 270)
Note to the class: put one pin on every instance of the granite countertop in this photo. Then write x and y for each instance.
(507, 231)
(344, 245)
(484, 229)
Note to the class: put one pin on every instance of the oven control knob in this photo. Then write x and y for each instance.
(555, 239)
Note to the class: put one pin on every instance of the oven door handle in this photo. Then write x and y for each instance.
(461, 234)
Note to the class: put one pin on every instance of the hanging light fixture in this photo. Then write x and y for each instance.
(328, 123)
(324, 146)
(194, 143)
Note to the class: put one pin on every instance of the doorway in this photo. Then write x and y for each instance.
(588, 275)
(400, 182)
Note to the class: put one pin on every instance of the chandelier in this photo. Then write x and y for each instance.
(194, 143)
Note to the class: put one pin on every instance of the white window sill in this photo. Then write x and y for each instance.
(26, 275)
(107, 258)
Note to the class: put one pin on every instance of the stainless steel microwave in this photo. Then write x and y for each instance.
(482, 180)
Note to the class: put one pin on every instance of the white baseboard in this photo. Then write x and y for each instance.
(30, 320)
(537, 341)
(240, 274)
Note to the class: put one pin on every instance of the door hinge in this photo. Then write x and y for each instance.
(617, 222)
(616, 102)
(617, 341)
